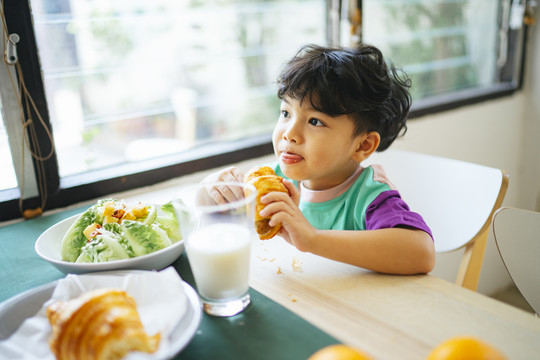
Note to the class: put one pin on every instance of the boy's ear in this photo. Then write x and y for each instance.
(367, 144)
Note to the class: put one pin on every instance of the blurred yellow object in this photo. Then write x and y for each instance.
(465, 348)
(338, 352)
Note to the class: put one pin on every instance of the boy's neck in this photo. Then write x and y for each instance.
(319, 186)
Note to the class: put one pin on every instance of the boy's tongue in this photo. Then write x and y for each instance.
(289, 158)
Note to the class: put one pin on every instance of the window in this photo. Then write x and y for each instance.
(441, 44)
(127, 81)
(136, 92)
(140, 91)
(453, 50)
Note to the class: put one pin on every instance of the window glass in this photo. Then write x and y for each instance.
(130, 80)
(8, 179)
(445, 46)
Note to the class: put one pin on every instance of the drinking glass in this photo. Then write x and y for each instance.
(218, 245)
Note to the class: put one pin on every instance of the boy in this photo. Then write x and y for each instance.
(338, 106)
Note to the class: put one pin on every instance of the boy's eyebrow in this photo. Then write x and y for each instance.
(310, 106)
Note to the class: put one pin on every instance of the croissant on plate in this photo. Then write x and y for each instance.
(265, 180)
(100, 324)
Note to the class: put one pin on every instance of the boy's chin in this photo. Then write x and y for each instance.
(289, 173)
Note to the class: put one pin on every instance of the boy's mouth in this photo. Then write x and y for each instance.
(290, 158)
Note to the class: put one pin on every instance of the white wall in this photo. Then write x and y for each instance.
(502, 133)
(530, 185)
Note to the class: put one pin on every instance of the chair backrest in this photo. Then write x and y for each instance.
(457, 200)
(517, 235)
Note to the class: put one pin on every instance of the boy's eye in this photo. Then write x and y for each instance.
(316, 122)
(284, 113)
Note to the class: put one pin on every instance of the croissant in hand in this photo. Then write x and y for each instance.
(101, 324)
(265, 180)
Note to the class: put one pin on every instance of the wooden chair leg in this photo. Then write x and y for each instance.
(471, 263)
(473, 257)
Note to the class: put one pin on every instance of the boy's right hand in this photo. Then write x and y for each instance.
(283, 208)
(224, 194)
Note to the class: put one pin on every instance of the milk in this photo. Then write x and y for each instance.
(219, 258)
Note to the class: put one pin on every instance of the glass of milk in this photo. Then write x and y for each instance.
(218, 245)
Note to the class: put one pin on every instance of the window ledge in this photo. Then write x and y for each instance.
(436, 104)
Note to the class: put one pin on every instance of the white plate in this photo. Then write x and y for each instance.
(20, 307)
(49, 242)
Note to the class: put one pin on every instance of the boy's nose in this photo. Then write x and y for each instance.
(292, 133)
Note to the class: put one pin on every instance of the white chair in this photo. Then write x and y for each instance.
(517, 235)
(457, 200)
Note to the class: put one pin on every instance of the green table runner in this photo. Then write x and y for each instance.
(265, 330)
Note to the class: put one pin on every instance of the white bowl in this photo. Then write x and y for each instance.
(19, 308)
(49, 242)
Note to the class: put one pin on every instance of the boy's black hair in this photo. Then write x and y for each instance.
(350, 81)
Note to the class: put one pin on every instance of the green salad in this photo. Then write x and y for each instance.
(111, 230)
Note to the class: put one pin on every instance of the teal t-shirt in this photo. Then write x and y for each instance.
(368, 203)
(348, 210)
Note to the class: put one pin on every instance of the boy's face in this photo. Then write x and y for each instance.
(314, 147)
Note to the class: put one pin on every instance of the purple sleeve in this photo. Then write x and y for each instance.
(388, 210)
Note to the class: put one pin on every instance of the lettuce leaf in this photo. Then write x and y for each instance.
(107, 246)
(74, 238)
(144, 239)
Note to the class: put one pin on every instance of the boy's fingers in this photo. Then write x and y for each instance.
(226, 193)
(222, 194)
(237, 174)
(238, 192)
(293, 190)
(216, 195)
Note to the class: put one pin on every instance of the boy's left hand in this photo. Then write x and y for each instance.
(224, 194)
(280, 207)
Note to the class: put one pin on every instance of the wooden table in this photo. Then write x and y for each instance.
(388, 317)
